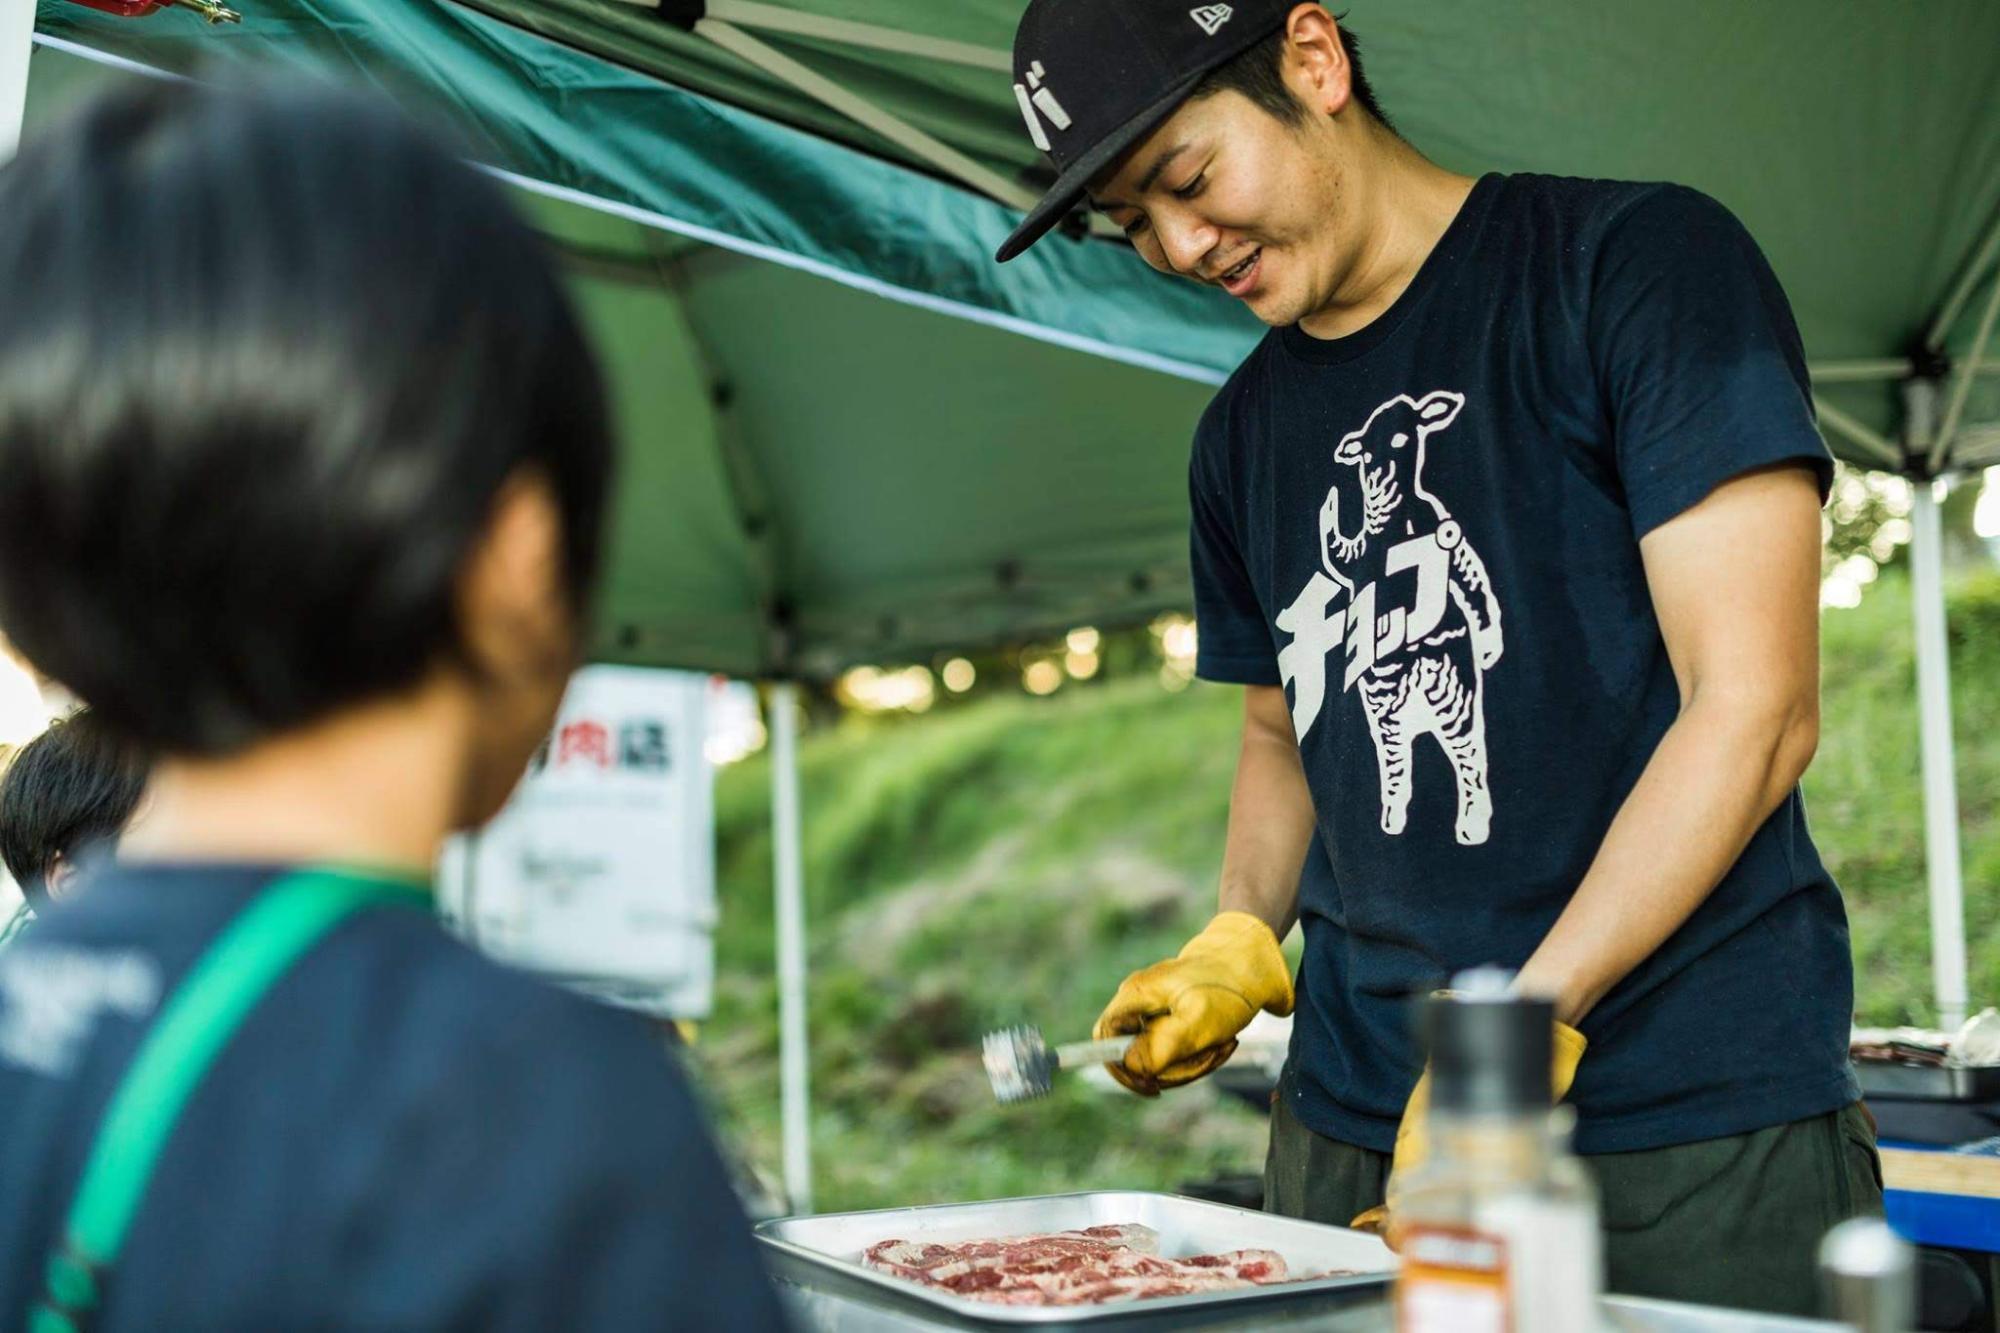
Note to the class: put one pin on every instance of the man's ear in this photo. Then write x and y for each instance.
(60, 877)
(514, 609)
(1316, 59)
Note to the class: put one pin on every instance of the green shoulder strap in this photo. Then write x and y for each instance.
(196, 1022)
(15, 925)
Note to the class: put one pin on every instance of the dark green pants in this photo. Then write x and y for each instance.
(1732, 1222)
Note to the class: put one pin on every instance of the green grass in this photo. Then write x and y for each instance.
(1864, 792)
(1013, 858)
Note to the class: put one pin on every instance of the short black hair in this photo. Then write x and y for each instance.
(1259, 75)
(266, 358)
(71, 787)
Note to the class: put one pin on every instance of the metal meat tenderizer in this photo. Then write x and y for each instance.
(1022, 1066)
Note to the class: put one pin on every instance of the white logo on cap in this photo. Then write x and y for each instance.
(1033, 97)
(1212, 17)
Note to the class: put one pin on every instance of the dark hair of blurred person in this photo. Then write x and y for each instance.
(302, 384)
(306, 457)
(65, 794)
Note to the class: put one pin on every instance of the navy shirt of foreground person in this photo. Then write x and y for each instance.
(402, 1135)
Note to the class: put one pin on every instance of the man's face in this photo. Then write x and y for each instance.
(1226, 194)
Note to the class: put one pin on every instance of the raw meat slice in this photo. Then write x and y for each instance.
(1084, 1267)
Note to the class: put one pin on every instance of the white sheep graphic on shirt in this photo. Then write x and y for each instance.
(1420, 664)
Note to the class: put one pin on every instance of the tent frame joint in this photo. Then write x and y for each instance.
(1929, 375)
(1930, 363)
(683, 14)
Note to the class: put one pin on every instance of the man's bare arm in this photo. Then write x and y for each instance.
(1735, 584)
(1270, 815)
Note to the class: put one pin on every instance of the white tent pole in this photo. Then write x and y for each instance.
(1941, 852)
(17, 38)
(794, 1093)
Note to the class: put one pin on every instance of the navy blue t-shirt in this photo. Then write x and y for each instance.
(1428, 533)
(402, 1135)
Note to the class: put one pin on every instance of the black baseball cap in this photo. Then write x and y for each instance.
(1093, 77)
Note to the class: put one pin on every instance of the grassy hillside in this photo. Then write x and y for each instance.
(1865, 792)
(1013, 858)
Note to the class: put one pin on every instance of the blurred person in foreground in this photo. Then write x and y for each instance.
(306, 474)
(65, 797)
(1510, 530)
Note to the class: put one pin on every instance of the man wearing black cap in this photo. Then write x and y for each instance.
(1510, 528)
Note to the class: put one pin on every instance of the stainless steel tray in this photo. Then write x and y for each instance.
(832, 1243)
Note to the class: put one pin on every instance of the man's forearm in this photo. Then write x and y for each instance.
(1718, 773)
(1271, 818)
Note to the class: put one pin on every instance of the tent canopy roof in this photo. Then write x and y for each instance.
(852, 437)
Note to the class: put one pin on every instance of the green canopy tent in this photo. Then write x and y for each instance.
(855, 439)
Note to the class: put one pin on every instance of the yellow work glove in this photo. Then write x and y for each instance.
(1413, 1137)
(1188, 1009)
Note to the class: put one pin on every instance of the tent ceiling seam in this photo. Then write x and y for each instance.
(107, 59)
